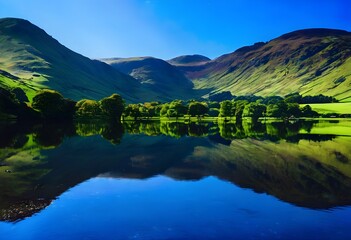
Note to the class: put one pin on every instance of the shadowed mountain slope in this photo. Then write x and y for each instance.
(157, 74)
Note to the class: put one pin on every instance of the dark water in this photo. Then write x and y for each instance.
(176, 181)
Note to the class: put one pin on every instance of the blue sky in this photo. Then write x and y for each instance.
(168, 28)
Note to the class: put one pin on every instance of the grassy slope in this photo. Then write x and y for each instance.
(308, 61)
(26, 50)
(340, 108)
(28, 88)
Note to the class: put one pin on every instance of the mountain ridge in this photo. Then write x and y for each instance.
(29, 53)
(308, 61)
(294, 62)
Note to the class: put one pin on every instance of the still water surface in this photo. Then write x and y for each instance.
(176, 181)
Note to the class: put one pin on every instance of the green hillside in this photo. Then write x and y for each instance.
(339, 108)
(310, 62)
(157, 74)
(36, 60)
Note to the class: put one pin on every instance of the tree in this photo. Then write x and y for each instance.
(152, 108)
(293, 110)
(52, 105)
(278, 110)
(87, 108)
(176, 108)
(254, 110)
(164, 110)
(11, 107)
(197, 108)
(225, 109)
(293, 98)
(307, 111)
(112, 107)
(272, 100)
(132, 110)
(239, 108)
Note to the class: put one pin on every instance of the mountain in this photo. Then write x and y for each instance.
(32, 59)
(188, 60)
(310, 62)
(157, 74)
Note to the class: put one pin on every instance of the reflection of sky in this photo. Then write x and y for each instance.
(161, 208)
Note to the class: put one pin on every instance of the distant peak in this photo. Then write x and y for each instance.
(189, 59)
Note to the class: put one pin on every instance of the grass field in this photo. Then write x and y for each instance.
(340, 108)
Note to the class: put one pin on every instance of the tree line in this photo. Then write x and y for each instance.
(292, 98)
(51, 105)
(236, 109)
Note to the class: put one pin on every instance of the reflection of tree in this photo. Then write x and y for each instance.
(271, 131)
(132, 127)
(52, 135)
(150, 128)
(308, 125)
(198, 130)
(110, 130)
(14, 135)
(173, 129)
(113, 132)
(254, 129)
(227, 130)
(276, 129)
(243, 130)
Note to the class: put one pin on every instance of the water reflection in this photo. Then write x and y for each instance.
(40, 162)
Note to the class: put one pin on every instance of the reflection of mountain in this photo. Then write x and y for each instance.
(309, 174)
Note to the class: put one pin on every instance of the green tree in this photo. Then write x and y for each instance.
(133, 110)
(278, 110)
(112, 106)
(87, 108)
(254, 110)
(239, 108)
(293, 98)
(293, 110)
(307, 111)
(176, 109)
(52, 105)
(153, 109)
(164, 110)
(197, 108)
(226, 109)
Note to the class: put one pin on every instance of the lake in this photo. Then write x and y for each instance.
(168, 180)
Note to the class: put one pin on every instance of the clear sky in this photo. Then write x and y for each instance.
(168, 28)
